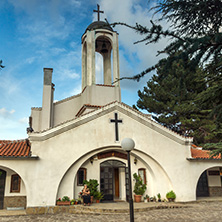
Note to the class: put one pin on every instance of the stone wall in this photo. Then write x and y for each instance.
(215, 191)
(14, 201)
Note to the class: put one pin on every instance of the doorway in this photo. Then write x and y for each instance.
(202, 186)
(109, 179)
(2, 188)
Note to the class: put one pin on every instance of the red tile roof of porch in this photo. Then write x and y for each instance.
(202, 154)
(15, 148)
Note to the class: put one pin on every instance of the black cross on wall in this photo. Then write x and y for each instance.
(116, 121)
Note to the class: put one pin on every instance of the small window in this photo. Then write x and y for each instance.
(15, 183)
(81, 176)
(142, 173)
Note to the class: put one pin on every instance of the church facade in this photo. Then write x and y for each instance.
(79, 138)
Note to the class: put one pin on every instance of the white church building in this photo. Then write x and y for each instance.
(80, 138)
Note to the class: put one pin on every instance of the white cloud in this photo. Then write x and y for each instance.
(6, 113)
(24, 120)
(99, 68)
(12, 130)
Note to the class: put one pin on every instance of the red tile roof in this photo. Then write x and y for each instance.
(16, 148)
(202, 154)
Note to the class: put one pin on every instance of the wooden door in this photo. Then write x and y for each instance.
(2, 187)
(116, 173)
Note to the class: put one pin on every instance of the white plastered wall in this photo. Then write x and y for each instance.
(163, 153)
(214, 180)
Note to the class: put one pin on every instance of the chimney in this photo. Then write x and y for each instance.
(47, 99)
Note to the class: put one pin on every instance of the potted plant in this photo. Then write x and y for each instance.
(154, 198)
(171, 196)
(146, 198)
(159, 197)
(72, 201)
(64, 201)
(92, 184)
(99, 196)
(139, 188)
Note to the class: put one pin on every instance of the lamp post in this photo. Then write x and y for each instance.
(128, 144)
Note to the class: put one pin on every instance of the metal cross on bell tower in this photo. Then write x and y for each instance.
(98, 11)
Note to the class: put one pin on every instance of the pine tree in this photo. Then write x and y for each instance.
(171, 95)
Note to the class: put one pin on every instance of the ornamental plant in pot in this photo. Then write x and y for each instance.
(92, 184)
(171, 196)
(159, 197)
(139, 187)
(99, 196)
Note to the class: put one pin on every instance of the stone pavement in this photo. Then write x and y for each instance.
(209, 211)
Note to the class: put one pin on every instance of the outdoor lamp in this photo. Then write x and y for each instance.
(128, 144)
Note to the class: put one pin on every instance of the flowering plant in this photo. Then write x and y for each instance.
(59, 200)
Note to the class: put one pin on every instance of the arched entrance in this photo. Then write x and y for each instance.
(2, 187)
(110, 175)
(210, 183)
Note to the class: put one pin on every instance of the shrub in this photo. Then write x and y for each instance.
(171, 195)
(139, 187)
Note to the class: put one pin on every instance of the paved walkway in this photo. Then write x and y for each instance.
(200, 211)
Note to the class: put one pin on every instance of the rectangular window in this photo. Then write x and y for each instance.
(81, 176)
(142, 173)
(214, 173)
(15, 183)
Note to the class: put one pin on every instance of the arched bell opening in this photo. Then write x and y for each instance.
(103, 47)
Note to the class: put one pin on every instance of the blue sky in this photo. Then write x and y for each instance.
(47, 33)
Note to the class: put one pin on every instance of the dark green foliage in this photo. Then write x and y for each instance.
(139, 187)
(92, 184)
(173, 96)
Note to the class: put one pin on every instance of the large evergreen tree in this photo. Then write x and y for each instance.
(195, 32)
(172, 96)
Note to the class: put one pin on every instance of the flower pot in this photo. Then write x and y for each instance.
(137, 198)
(97, 201)
(63, 203)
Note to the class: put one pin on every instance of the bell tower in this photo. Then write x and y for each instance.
(100, 37)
